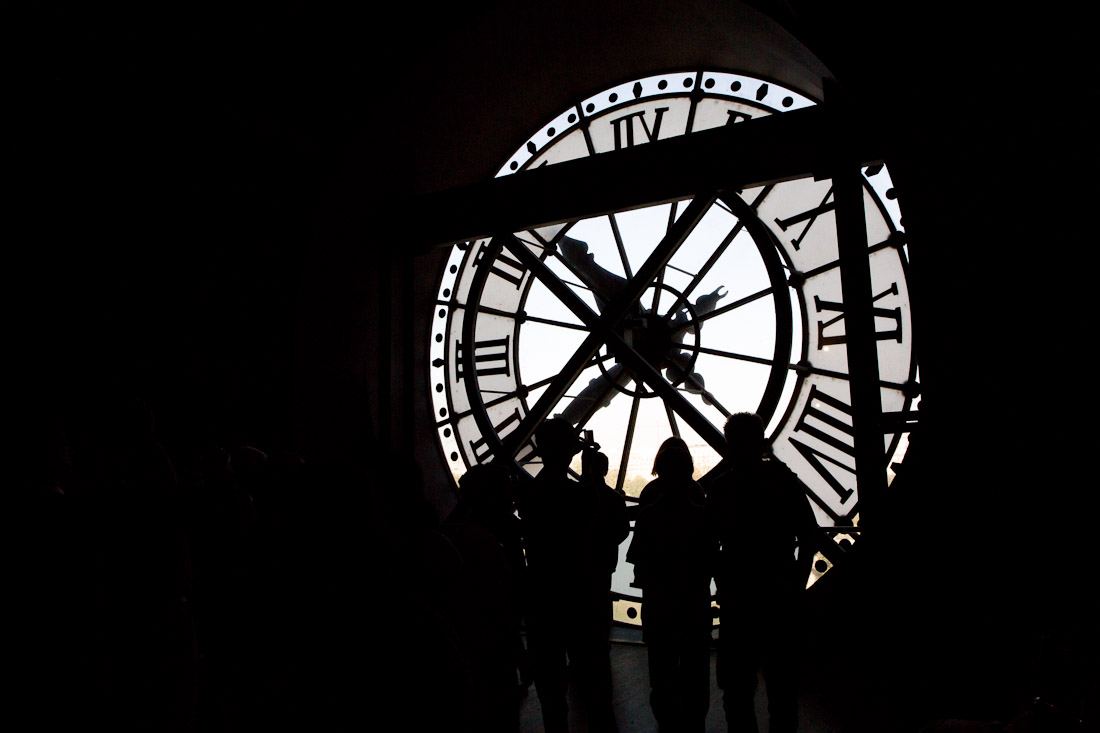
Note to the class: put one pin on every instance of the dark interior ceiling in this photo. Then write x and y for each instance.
(205, 202)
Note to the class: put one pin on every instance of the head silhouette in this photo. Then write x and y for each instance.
(594, 465)
(557, 443)
(673, 460)
(745, 436)
(485, 491)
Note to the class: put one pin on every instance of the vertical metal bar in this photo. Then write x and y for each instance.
(622, 247)
(628, 443)
(672, 420)
(859, 328)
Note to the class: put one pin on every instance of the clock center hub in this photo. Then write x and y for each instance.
(652, 337)
(668, 344)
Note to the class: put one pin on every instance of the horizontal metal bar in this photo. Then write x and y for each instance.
(761, 151)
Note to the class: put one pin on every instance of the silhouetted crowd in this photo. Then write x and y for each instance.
(231, 587)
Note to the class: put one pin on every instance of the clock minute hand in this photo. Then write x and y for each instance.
(603, 283)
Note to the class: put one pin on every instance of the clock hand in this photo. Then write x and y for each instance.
(693, 382)
(626, 300)
(598, 394)
(603, 283)
(680, 369)
(748, 219)
(741, 210)
(704, 305)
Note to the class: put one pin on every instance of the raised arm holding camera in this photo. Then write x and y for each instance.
(569, 531)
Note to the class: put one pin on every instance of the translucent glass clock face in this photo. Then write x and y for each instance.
(724, 305)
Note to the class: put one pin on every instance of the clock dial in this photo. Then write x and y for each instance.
(666, 319)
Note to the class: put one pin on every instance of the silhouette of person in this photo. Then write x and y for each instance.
(485, 532)
(144, 574)
(760, 514)
(416, 601)
(594, 466)
(672, 553)
(566, 527)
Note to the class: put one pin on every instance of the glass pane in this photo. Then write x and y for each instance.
(642, 230)
(541, 303)
(600, 238)
(609, 426)
(652, 429)
(544, 349)
(549, 232)
(711, 230)
(747, 330)
(792, 378)
(578, 288)
(703, 455)
(737, 386)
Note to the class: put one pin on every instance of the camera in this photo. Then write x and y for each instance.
(588, 442)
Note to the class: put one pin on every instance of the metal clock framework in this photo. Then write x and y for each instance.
(789, 298)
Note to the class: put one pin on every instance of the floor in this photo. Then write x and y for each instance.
(632, 712)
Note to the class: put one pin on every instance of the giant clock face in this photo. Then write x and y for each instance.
(664, 320)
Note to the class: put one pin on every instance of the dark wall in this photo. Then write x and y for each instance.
(205, 219)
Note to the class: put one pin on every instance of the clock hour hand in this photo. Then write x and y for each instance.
(693, 381)
(596, 395)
